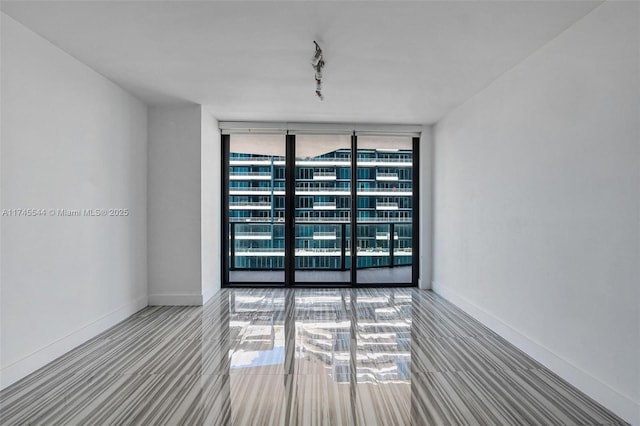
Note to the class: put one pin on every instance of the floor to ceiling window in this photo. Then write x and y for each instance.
(322, 208)
(255, 210)
(290, 203)
(385, 209)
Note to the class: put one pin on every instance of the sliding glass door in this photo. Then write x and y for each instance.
(320, 210)
(255, 181)
(385, 210)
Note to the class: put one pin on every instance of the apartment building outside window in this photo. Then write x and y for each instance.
(330, 192)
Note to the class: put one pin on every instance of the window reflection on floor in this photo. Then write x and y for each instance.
(336, 332)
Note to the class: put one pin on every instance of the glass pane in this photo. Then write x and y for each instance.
(402, 252)
(256, 208)
(323, 208)
(384, 179)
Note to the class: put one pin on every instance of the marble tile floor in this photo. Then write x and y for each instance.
(299, 357)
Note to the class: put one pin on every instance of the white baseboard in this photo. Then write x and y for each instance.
(38, 359)
(208, 294)
(176, 299)
(423, 284)
(620, 404)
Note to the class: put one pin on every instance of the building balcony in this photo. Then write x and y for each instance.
(311, 190)
(324, 162)
(324, 235)
(385, 236)
(382, 205)
(248, 205)
(259, 252)
(325, 220)
(256, 161)
(250, 176)
(386, 176)
(324, 175)
(385, 162)
(253, 236)
(320, 252)
(361, 220)
(256, 191)
(362, 162)
(399, 192)
(257, 220)
(320, 205)
(390, 192)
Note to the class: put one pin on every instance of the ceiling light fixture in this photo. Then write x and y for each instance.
(317, 62)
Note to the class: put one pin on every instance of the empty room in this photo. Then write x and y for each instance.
(320, 212)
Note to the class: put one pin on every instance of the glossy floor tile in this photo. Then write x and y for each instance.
(299, 357)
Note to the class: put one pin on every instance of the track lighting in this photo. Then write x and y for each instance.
(317, 62)
(317, 57)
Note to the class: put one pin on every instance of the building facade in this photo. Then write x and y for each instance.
(323, 209)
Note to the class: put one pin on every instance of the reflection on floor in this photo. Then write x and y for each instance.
(299, 357)
(265, 277)
(383, 276)
(395, 275)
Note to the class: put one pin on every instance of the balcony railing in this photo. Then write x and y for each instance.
(243, 161)
(266, 252)
(258, 252)
(400, 192)
(248, 205)
(249, 176)
(390, 249)
(253, 236)
(301, 190)
(311, 219)
(324, 175)
(362, 161)
(383, 205)
(385, 236)
(324, 235)
(324, 205)
(317, 162)
(386, 176)
(320, 190)
(379, 161)
(237, 190)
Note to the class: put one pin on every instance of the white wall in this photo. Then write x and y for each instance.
(426, 208)
(174, 205)
(537, 206)
(211, 166)
(184, 216)
(70, 140)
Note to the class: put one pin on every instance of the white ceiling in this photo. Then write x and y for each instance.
(386, 62)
